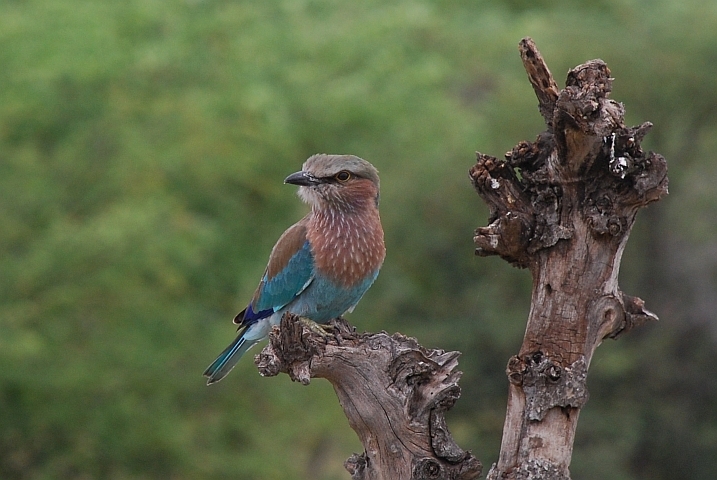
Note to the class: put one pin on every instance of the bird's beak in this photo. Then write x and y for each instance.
(305, 179)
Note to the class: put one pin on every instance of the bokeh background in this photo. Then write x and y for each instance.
(143, 144)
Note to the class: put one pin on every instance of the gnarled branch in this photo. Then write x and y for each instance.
(563, 206)
(394, 393)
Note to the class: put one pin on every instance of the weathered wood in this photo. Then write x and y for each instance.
(540, 77)
(563, 207)
(393, 391)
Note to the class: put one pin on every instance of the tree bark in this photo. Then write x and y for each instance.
(393, 391)
(563, 207)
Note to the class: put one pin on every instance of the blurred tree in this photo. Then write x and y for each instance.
(142, 149)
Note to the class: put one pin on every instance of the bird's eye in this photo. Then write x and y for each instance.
(343, 176)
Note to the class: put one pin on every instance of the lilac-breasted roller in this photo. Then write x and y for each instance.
(323, 264)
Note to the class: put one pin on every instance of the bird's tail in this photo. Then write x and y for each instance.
(228, 358)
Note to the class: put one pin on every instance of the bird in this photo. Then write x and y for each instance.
(323, 264)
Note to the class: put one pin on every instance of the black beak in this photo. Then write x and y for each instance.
(304, 179)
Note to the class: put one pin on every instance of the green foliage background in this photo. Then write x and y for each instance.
(143, 146)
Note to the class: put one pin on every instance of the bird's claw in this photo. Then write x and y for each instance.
(317, 328)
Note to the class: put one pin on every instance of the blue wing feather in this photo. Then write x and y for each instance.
(248, 315)
(289, 272)
(276, 292)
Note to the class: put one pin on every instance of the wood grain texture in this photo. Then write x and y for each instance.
(393, 391)
(563, 207)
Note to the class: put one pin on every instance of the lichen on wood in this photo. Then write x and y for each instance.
(563, 206)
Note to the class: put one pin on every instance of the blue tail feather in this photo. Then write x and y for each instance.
(228, 358)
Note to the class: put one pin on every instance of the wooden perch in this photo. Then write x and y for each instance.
(393, 391)
(563, 207)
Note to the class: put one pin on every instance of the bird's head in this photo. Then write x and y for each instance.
(343, 182)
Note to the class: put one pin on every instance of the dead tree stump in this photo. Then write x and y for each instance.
(393, 391)
(563, 206)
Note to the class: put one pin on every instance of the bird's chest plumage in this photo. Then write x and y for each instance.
(348, 248)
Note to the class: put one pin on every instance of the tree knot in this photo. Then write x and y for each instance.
(634, 314)
(427, 469)
(548, 384)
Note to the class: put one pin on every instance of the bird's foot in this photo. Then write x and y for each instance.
(321, 330)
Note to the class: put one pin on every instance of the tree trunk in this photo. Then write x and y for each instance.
(563, 207)
(393, 391)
